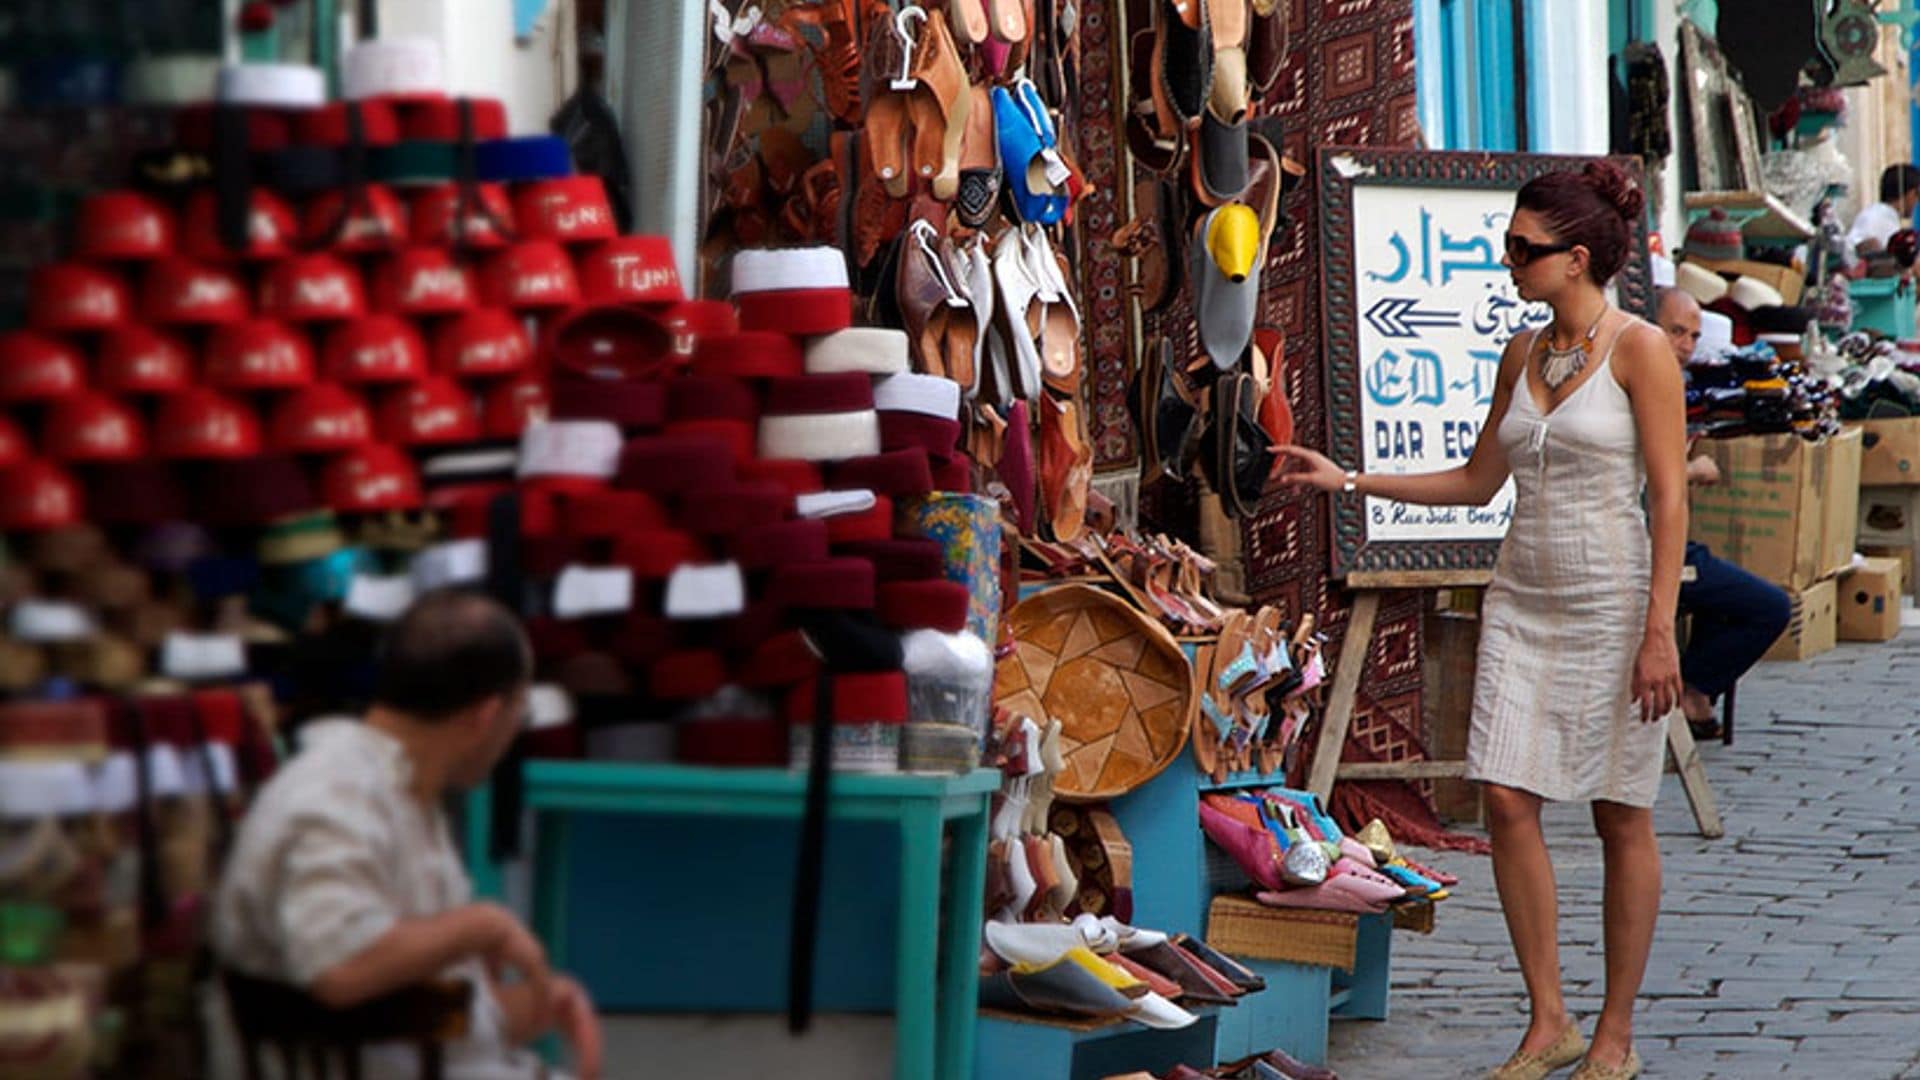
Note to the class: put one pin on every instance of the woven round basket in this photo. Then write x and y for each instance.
(1116, 680)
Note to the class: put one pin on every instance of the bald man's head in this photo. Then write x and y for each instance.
(1679, 316)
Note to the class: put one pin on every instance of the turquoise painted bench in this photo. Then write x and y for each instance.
(936, 980)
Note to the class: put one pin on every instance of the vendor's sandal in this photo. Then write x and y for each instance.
(780, 50)
(938, 106)
(1015, 467)
(980, 172)
(1536, 1064)
(1153, 149)
(1021, 314)
(813, 213)
(1066, 466)
(1182, 66)
(838, 60)
(1007, 20)
(886, 69)
(1626, 1070)
(1059, 338)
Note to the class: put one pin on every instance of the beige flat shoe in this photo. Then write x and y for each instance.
(1564, 1051)
(1626, 1070)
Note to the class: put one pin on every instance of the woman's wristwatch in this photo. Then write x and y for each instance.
(1353, 482)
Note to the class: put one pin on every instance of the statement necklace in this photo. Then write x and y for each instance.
(1561, 365)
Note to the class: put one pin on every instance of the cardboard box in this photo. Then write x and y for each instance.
(1840, 523)
(1889, 516)
(1890, 452)
(1812, 629)
(1869, 603)
(1901, 553)
(1776, 509)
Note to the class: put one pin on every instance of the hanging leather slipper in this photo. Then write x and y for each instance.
(1226, 281)
(970, 22)
(1059, 339)
(938, 106)
(1015, 467)
(1172, 414)
(1143, 240)
(1267, 48)
(1236, 458)
(1269, 373)
(1220, 165)
(876, 218)
(1182, 66)
(1152, 149)
(1008, 20)
(886, 126)
(980, 172)
(1028, 154)
(1066, 467)
(968, 320)
(1021, 314)
(927, 297)
(1227, 91)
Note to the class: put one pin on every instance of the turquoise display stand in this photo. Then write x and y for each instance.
(1882, 304)
(1018, 1049)
(936, 943)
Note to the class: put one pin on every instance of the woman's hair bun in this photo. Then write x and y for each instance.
(1613, 184)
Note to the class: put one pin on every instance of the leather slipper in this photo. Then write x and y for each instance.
(1267, 48)
(1066, 467)
(886, 125)
(1229, 95)
(1228, 21)
(980, 173)
(1007, 20)
(1276, 412)
(1029, 154)
(970, 22)
(1182, 67)
(1226, 281)
(1015, 468)
(927, 296)
(969, 323)
(1153, 149)
(1236, 458)
(938, 106)
(1059, 339)
(1172, 417)
(1144, 240)
(1021, 315)
(1220, 164)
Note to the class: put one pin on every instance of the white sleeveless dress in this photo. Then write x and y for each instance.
(1563, 619)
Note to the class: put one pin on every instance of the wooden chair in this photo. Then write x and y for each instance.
(270, 1013)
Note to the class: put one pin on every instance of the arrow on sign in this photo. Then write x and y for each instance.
(1400, 317)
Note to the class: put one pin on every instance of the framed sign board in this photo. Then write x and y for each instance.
(1417, 312)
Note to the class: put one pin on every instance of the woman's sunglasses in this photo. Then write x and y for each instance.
(1521, 251)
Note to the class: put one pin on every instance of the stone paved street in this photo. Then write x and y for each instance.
(1791, 947)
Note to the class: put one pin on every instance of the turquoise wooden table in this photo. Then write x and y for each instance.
(936, 981)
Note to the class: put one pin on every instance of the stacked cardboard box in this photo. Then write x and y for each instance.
(1786, 510)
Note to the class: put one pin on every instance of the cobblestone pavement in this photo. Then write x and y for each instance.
(1790, 947)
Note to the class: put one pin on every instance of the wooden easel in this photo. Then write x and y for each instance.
(1327, 767)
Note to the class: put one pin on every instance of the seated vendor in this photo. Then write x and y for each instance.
(344, 880)
(1876, 224)
(1735, 616)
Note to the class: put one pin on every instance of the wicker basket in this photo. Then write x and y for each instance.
(1241, 927)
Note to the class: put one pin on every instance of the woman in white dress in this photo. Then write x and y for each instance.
(1578, 671)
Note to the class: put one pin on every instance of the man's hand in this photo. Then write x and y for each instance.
(506, 945)
(574, 1018)
(1703, 471)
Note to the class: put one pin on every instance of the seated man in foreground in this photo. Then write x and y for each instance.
(344, 880)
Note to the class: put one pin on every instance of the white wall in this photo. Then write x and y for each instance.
(1567, 75)
(481, 57)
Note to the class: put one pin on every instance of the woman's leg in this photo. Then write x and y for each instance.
(1523, 873)
(1632, 904)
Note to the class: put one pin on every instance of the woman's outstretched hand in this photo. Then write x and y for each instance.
(1298, 466)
